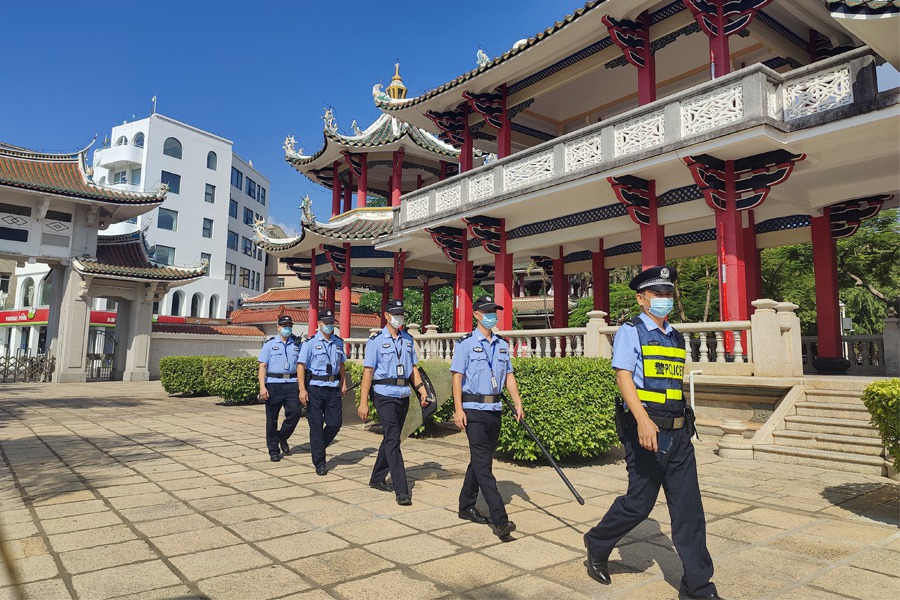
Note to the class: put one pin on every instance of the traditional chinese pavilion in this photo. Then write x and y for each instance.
(632, 132)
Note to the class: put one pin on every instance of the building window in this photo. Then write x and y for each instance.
(248, 216)
(210, 195)
(207, 228)
(172, 180)
(165, 255)
(208, 258)
(138, 141)
(213, 307)
(212, 161)
(232, 240)
(245, 277)
(280, 282)
(122, 141)
(177, 301)
(120, 177)
(237, 178)
(196, 304)
(232, 208)
(136, 176)
(251, 188)
(248, 247)
(167, 219)
(256, 280)
(230, 273)
(172, 147)
(262, 195)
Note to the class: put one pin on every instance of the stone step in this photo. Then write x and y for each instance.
(835, 410)
(838, 395)
(830, 425)
(824, 459)
(828, 441)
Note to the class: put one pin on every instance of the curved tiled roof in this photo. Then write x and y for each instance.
(247, 316)
(282, 295)
(125, 257)
(870, 7)
(358, 224)
(384, 102)
(63, 174)
(234, 330)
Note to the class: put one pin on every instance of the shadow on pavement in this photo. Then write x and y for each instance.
(640, 555)
(876, 501)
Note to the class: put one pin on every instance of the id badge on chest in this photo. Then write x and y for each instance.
(400, 372)
(286, 366)
(494, 383)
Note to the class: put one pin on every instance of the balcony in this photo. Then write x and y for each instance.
(116, 155)
(753, 96)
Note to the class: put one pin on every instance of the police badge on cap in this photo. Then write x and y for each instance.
(657, 279)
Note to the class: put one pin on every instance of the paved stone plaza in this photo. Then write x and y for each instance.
(115, 490)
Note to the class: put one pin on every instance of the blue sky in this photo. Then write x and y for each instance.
(252, 72)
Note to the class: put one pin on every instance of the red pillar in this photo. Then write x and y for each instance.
(385, 293)
(397, 177)
(560, 292)
(443, 174)
(426, 303)
(329, 294)
(647, 73)
(503, 280)
(653, 236)
(730, 240)
(398, 275)
(504, 137)
(828, 315)
(348, 190)
(361, 187)
(465, 154)
(752, 262)
(419, 181)
(462, 291)
(346, 301)
(600, 276)
(313, 296)
(335, 190)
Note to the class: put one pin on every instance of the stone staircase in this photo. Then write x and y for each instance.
(828, 427)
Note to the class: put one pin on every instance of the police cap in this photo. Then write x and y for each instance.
(657, 279)
(286, 321)
(486, 304)
(326, 317)
(394, 307)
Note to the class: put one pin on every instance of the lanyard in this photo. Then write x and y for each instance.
(489, 355)
(399, 350)
(327, 343)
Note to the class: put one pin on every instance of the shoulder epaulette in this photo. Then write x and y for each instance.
(269, 339)
(374, 335)
(501, 338)
(337, 337)
(634, 322)
(465, 337)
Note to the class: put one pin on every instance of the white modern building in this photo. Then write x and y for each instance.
(214, 198)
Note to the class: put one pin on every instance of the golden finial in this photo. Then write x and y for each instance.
(397, 91)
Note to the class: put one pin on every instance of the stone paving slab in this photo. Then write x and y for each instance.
(115, 490)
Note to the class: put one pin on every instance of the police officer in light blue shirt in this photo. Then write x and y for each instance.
(481, 370)
(390, 365)
(321, 372)
(278, 386)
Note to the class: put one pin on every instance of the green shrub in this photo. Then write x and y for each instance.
(183, 375)
(233, 379)
(882, 398)
(568, 402)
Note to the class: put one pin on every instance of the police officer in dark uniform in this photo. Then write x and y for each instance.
(320, 369)
(649, 356)
(389, 365)
(278, 386)
(481, 370)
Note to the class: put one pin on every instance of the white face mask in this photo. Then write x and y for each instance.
(397, 321)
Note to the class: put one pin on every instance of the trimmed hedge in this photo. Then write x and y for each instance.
(882, 398)
(233, 379)
(183, 375)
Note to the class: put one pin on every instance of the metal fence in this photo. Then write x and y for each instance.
(27, 368)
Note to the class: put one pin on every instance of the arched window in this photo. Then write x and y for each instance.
(172, 147)
(177, 301)
(138, 141)
(212, 161)
(122, 141)
(46, 291)
(196, 304)
(28, 292)
(214, 307)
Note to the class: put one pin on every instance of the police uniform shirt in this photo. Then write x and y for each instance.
(627, 348)
(318, 353)
(382, 352)
(280, 356)
(477, 358)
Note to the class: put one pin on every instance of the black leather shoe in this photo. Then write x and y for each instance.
(381, 486)
(472, 514)
(285, 448)
(404, 500)
(710, 596)
(321, 470)
(504, 528)
(598, 569)
(274, 457)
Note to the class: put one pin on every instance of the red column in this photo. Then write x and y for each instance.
(826, 275)
(653, 236)
(752, 262)
(504, 136)
(348, 191)
(329, 294)
(398, 275)
(397, 177)
(465, 153)
(419, 182)
(346, 301)
(503, 279)
(362, 187)
(385, 293)
(443, 174)
(730, 241)
(647, 73)
(426, 303)
(462, 291)
(335, 190)
(560, 292)
(313, 296)
(600, 276)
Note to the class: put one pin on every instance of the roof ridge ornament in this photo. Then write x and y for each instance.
(482, 59)
(379, 94)
(396, 90)
(288, 146)
(330, 122)
(306, 208)
(355, 127)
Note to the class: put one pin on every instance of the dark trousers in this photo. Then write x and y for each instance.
(676, 472)
(391, 414)
(288, 396)
(324, 413)
(483, 431)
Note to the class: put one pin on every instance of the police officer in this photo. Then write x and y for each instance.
(389, 365)
(322, 387)
(278, 386)
(649, 356)
(481, 369)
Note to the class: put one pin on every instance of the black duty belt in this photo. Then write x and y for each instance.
(493, 399)
(282, 375)
(324, 377)
(391, 381)
(668, 422)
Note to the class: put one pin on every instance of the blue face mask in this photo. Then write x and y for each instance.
(489, 320)
(661, 307)
(327, 329)
(285, 331)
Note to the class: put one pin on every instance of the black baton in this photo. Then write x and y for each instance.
(547, 454)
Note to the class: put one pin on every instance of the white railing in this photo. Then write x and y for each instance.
(866, 354)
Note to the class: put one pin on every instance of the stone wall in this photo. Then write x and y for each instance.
(182, 344)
